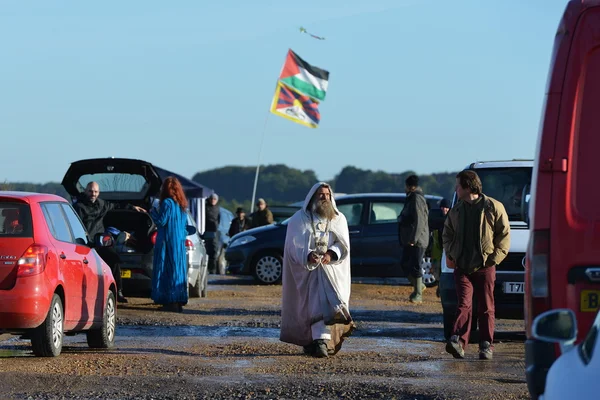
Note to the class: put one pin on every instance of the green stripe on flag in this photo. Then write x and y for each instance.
(304, 87)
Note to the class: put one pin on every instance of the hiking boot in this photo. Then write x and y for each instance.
(309, 349)
(411, 279)
(320, 347)
(121, 298)
(417, 296)
(485, 351)
(455, 348)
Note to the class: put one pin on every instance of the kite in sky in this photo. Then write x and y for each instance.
(302, 30)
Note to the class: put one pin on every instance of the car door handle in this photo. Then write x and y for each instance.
(63, 256)
(85, 261)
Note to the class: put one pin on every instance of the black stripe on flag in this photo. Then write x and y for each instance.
(315, 71)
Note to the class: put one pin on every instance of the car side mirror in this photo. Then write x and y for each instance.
(191, 229)
(103, 240)
(556, 326)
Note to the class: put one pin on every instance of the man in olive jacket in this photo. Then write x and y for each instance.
(413, 229)
(476, 239)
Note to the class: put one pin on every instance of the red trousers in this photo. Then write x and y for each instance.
(481, 283)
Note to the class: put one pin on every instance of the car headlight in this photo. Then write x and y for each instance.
(242, 241)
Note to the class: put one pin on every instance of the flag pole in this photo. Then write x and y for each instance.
(262, 141)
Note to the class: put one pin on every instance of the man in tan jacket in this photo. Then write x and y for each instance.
(476, 238)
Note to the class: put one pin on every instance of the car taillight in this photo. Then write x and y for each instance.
(33, 261)
(538, 272)
(153, 237)
(189, 244)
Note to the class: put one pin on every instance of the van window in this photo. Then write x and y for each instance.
(585, 149)
(510, 186)
(385, 212)
(15, 220)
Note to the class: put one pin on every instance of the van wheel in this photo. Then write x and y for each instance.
(428, 279)
(47, 339)
(104, 338)
(268, 268)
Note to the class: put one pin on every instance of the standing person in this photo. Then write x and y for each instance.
(239, 223)
(316, 276)
(263, 216)
(476, 239)
(169, 280)
(211, 237)
(92, 210)
(413, 230)
(437, 248)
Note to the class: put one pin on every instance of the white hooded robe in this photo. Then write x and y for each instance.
(321, 294)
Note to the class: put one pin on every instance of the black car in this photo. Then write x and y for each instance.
(129, 181)
(372, 222)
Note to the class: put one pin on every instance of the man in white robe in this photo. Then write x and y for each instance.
(316, 276)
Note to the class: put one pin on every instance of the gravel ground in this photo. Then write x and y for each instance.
(227, 347)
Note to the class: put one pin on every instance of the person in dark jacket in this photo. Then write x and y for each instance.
(211, 239)
(263, 216)
(240, 223)
(413, 230)
(92, 210)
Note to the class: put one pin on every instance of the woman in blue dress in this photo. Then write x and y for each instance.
(169, 280)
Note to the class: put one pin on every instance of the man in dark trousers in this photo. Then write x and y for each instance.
(92, 210)
(211, 239)
(476, 238)
(239, 223)
(413, 230)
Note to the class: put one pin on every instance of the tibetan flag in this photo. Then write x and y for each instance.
(295, 106)
(300, 75)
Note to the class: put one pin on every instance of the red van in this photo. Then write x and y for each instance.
(563, 256)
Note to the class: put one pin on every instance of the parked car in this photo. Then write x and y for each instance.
(574, 374)
(52, 282)
(281, 213)
(508, 182)
(128, 181)
(372, 222)
(563, 258)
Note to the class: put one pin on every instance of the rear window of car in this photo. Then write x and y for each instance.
(114, 182)
(15, 220)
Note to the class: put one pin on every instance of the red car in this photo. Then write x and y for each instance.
(563, 259)
(51, 280)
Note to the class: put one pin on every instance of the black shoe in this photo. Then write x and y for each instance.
(320, 349)
(455, 348)
(309, 349)
(485, 351)
(121, 298)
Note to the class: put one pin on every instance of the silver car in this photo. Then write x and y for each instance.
(197, 261)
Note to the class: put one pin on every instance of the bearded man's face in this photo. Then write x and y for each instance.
(322, 204)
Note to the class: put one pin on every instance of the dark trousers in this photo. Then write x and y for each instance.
(481, 283)
(212, 250)
(412, 257)
(112, 259)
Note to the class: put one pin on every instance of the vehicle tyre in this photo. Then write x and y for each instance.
(47, 339)
(104, 338)
(268, 268)
(194, 291)
(428, 278)
(204, 291)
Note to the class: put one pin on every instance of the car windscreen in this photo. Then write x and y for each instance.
(15, 220)
(510, 186)
(116, 185)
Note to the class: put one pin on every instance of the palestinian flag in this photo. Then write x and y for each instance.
(293, 105)
(300, 75)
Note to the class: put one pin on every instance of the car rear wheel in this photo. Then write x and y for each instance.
(104, 338)
(47, 339)
(268, 268)
(428, 278)
(204, 291)
(195, 291)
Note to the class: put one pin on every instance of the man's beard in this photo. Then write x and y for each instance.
(324, 209)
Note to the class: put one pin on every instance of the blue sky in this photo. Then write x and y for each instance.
(414, 84)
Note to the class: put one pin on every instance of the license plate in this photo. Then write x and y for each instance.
(589, 300)
(514, 287)
(126, 273)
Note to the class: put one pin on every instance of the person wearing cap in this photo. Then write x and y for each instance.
(239, 223)
(213, 219)
(413, 230)
(437, 247)
(263, 216)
